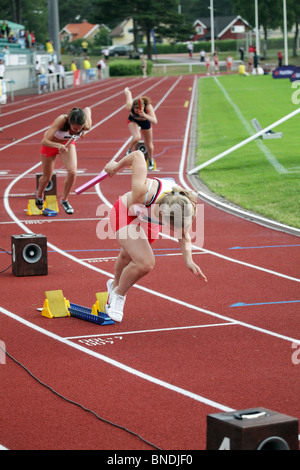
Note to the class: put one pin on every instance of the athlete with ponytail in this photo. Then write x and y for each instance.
(65, 128)
(137, 218)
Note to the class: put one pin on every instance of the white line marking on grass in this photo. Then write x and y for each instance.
(269, 155)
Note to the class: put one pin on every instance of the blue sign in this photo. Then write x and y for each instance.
(285, 71)
(295, 75)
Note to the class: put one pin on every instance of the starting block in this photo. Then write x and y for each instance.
(50, 207)
(57, 306)
(267, 135)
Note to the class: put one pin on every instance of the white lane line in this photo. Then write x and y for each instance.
(117, 364)
(157, 330)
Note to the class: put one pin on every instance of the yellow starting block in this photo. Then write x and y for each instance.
(56, 305)
(99, 306)
(50, 203)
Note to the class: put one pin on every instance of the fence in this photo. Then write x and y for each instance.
(55, 81)
(189, 67)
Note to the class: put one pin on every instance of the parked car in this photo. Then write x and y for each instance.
(118, 50)
(125, 50)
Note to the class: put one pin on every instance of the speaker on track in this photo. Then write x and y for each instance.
(51, 187)
(252, 429)
(142, 147)
(29, 255)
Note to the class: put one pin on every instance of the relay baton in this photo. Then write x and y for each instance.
(91, 182)
(70, 141)
(140, 104)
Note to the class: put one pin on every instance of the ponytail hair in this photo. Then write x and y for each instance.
(77, 116)
(178, 207)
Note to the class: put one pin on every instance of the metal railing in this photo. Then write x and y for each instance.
(49, 82)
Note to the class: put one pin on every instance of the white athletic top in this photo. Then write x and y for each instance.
(65, 135)
(146, 211)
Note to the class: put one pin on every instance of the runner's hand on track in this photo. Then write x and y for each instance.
(196, 270)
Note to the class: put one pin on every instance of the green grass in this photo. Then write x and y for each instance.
(245, 176)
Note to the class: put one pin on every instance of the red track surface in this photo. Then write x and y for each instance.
(182, 351)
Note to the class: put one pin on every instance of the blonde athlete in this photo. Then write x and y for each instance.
(137, 218)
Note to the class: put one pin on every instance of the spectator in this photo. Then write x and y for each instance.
(100, 66)
(190, 47)
(37, 68)
(86, 63)
(144, 67)
(51, 68)
(3, 29)
(207, 63)
(241, 50)
(255, 62)
(280, 57)
(32, 39)
(73, 66)
(87, 66)
(2, 69)
(61, 75)
(84, 46)
(229, 63)
(202, 55)
(49, 47)
(216, 62)
(106, 53)
(28, 40)
(250, 63)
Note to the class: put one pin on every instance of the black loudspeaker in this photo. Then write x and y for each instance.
(51, 187)
(142, 147)
(252, 429)
(29, 255)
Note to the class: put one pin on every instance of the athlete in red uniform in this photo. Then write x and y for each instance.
(137, 218)
(53, 143)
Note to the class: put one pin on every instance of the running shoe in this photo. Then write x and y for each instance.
(109, 286)
(151, 165)
(39, 202)
(115, 305)
(67, 206)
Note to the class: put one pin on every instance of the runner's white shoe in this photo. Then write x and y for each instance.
(109, 286)
(115, 305)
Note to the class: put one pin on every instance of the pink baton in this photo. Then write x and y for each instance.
(91, 182)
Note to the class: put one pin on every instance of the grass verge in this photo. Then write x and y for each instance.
(226, 106)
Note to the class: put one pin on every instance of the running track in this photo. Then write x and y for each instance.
(185, 349)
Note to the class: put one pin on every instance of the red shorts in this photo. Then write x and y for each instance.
(120, 217)
(51, 151)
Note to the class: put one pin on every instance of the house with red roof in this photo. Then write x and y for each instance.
(225, 27)
(83, 30)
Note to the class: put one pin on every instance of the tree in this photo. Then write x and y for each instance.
(293, 18)
(156, 15)
(269, 15)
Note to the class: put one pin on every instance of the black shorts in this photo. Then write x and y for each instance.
(142, 124)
